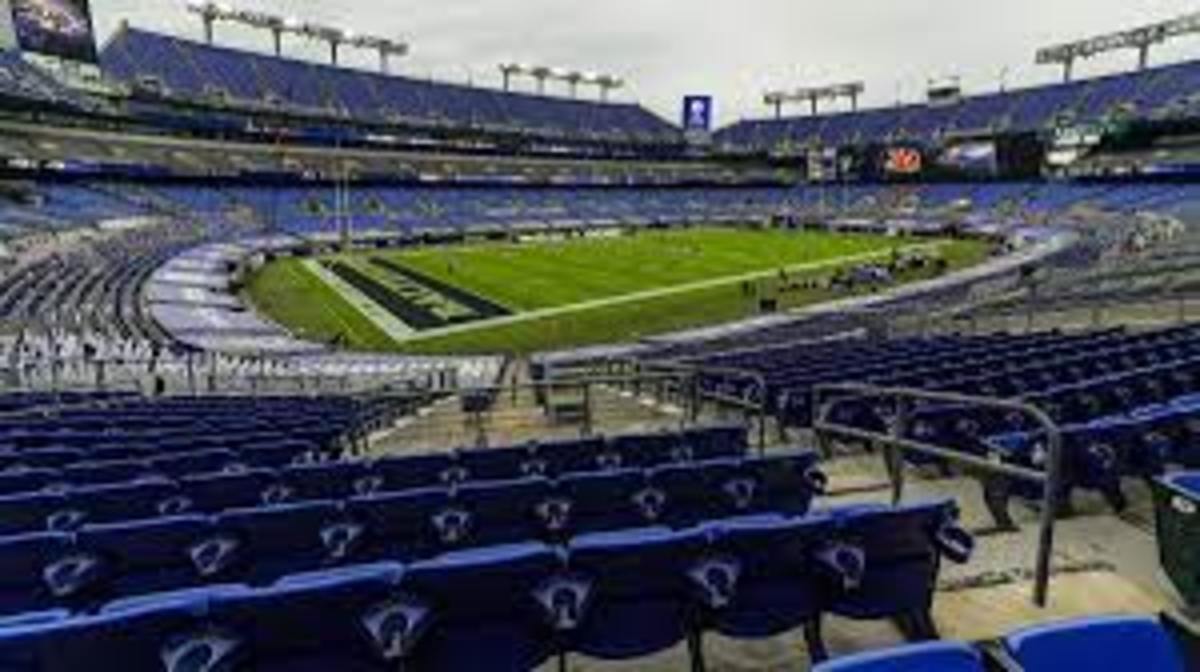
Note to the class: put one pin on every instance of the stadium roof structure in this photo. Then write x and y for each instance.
(1141, 39)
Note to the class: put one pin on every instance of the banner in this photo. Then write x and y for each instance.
(698, 114)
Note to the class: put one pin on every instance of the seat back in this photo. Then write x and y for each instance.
(484, 607)
(929, 657)
(767, 575)
(332, 620)
(901, 550)
(641, 595)
(147, 556)
(1106, 644)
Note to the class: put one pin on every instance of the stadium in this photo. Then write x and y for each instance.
(309, 362)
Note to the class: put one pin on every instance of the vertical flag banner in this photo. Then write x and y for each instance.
(697, 114)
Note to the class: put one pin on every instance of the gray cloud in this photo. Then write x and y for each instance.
(731, 49)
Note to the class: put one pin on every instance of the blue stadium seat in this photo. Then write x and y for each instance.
(485, 612)
(38, 511)
(702, 491)
(214, 493)
(49, 458)
(504, 512)
(899, 555)
(764, 577)
(194, 462)
(100, 473)
(928, 657)
(641, 599)
(611, 501)
(24, 561)
(497, 464)
(648, 449)
(23, 479)
(336, 480)
(404, 525)
(23, 639)
(571, 456)
(154, 555)
(331, 620)
(411, 472)
(123, 501)
(146, 634)
(1101, 644)
(275, 541)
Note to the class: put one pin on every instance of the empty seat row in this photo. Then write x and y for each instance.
(86, 560)
(997, 368)
(29, 470)
(1060, 393)
(1098, 454)
(613, 596)
(793, 395)
(212, 480)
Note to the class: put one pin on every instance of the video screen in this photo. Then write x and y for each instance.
(972, 157)
(60, 28)
(903, 161)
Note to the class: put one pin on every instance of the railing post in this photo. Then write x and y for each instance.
(694, 402)
(1050, 500)
(587, 409)
(101, 378)
(894, 455)
(1050, 477)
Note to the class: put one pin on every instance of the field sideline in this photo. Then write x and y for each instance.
(588, 291)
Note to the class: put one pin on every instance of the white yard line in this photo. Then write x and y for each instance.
(379, 316)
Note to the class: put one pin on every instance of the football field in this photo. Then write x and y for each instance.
(521, 297)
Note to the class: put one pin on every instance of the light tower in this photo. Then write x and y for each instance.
(1139, 39)
(607, 84)
(814, 95)
(508, 71)
(541, 73)
(211, 12)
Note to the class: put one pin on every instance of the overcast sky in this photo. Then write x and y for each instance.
(733, 50)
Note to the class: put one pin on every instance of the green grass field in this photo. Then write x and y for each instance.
(590, 291)
(288, 293)
(530, 277)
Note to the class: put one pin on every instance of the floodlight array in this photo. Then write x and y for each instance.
(211, 13)
(1140, 39)
(573, 78)
(814, 95)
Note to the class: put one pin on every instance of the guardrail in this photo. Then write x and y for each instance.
(577, 404)
(697, 396)
(895, 444)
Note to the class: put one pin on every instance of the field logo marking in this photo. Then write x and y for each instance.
(378, 315)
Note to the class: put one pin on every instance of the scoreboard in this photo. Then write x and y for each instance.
(54, 28)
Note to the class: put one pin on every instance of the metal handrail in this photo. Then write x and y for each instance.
(694, 371)
(896, 445)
